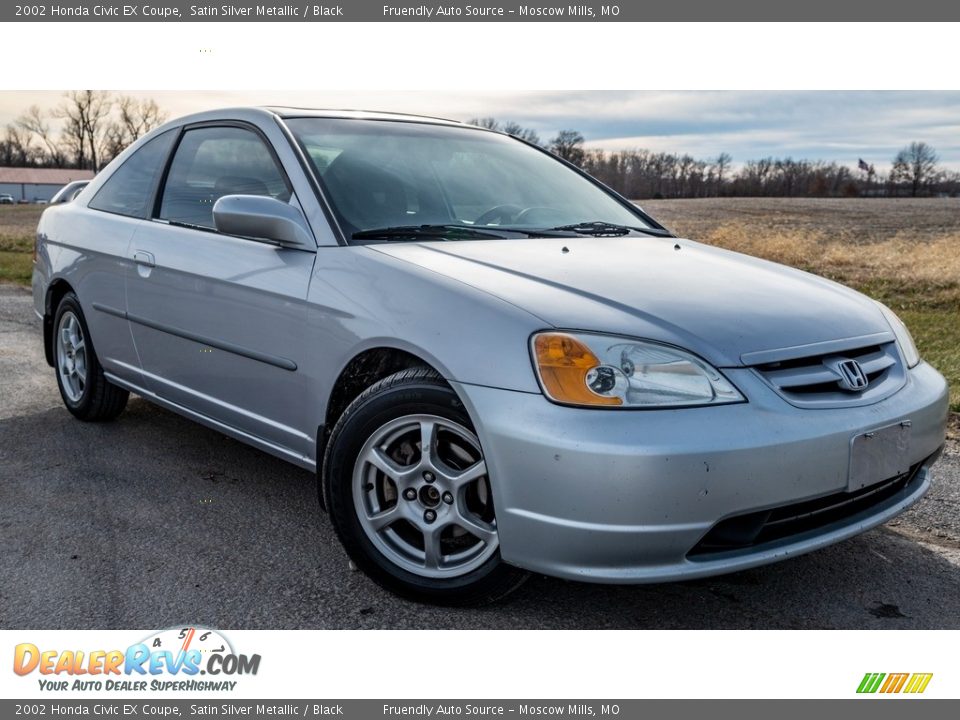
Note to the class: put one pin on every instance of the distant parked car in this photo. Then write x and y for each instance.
(7, 199)
(493, 362)
(39, 201)
(68, 192)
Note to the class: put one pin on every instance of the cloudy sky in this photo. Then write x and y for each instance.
(841, 126)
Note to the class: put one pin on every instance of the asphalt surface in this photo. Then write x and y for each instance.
(152, 521)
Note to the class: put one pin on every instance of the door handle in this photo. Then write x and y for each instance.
(141, 257)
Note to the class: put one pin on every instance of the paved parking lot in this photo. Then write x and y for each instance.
(153, 521)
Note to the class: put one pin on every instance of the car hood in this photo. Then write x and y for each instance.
(717, 303)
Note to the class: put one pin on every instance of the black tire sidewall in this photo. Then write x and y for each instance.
(357, 425)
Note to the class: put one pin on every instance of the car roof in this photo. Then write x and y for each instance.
(296, 112)
(254, 113)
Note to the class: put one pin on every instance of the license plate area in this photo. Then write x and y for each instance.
(879, 455)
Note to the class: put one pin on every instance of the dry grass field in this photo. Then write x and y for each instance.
(18, 224)
(903, 252)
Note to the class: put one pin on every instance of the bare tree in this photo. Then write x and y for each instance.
(509, 127)
(138, 117)
(916, 164)
(643, 174)
(722, 163)
(16, 148)
(568, 144)
(683, 169)
(487, 122)
(518, 131)
(36, 126)
(85, 115)
(86, 130)
(135, 119)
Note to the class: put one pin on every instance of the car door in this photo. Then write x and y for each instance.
(218, 321)
(101, 265)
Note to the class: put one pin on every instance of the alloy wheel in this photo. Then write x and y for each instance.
(423, 498)
(71, 356)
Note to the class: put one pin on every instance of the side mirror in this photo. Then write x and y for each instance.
(261, 218)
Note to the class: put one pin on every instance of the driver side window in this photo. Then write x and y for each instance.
(211, 162)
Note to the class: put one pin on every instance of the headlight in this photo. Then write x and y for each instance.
(904, 338)
(604, 371)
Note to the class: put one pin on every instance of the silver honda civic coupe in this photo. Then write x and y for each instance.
(494, 363)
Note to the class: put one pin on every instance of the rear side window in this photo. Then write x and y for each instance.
(211, 162)
(129, 191)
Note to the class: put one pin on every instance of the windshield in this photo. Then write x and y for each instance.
(387, 175)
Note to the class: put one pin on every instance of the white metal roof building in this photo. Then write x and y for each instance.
(31, 184)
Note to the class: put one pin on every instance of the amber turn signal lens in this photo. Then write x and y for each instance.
(563, 362)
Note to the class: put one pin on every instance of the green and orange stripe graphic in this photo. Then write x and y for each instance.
(912, 683)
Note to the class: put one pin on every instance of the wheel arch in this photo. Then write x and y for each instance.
(55, 292)
(363, 370)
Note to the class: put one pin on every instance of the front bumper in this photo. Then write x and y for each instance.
(624, 496)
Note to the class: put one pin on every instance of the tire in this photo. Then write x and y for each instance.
(85, 391)
(382, 493)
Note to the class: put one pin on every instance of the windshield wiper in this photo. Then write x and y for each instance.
(599, 228)
(432, 232)
(466, 232)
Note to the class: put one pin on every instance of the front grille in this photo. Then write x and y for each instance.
(810, 381)
(767, 526)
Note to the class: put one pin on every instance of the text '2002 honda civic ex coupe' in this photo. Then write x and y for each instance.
(494, 363)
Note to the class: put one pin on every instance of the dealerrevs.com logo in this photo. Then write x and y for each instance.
(172, 659)
(892, 683)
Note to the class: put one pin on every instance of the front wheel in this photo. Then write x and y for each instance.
(410, 497)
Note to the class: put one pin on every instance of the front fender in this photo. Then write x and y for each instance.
(361, 299)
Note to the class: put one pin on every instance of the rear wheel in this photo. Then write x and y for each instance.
(83, 387)
(410, 497)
